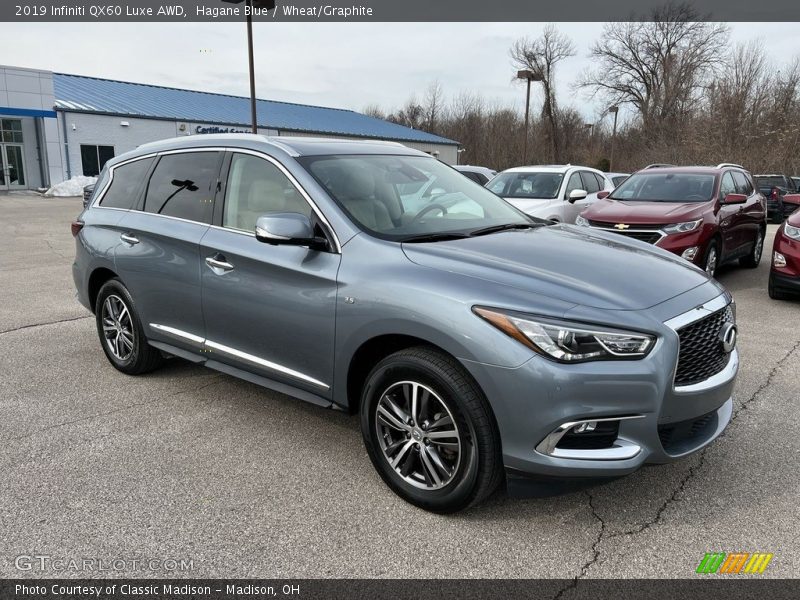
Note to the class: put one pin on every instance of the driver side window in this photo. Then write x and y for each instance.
(573, 184)
(257, 187)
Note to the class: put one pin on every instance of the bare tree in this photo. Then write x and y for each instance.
(432, 106)
(540, 56)
(373, 110)
(660, 66)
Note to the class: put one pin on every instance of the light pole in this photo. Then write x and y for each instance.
(264, 5)
(613, 109)
(528, 76)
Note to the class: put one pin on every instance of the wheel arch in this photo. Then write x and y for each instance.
(97, 279)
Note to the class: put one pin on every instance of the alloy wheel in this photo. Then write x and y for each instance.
(759, 247)
(418, 435)
(711, 261)
(118, 327)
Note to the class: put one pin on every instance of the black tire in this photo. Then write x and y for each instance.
(137, 358)
(479, 469)
(712, 246)
(752, 260)
(774, 293)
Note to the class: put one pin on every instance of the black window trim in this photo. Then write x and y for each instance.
(227, 150)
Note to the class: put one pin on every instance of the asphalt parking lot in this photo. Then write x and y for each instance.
(189, 463)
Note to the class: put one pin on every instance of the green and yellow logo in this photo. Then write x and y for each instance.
(734, 562)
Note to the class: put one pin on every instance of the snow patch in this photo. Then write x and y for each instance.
(71, 187)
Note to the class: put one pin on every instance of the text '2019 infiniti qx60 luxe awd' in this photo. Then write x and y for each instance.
(475, 342)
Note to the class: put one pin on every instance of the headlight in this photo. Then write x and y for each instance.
(569, 342)
(581, 222)
(791, 232)
(683, 227)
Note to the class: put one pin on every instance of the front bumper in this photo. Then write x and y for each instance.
(657, 421)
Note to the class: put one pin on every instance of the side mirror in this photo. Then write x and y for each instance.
(575, 195)
(603, 194)
(735, 199)
(288, 229)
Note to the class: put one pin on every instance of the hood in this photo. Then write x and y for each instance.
(571, 264)
(791, 199)
(794, 219)
(650, 213)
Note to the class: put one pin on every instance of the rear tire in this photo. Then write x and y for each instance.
(752, 260)
(120, 329)
(429, 431)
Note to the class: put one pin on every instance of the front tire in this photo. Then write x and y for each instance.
(429, 431)
(121, 333)
(711, 259)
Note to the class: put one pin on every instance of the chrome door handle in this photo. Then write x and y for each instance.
(129, 239)
(222, 265)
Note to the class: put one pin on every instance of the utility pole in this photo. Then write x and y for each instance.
(528, 76)
(613, 109)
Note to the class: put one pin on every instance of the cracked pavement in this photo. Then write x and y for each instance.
(187, 462)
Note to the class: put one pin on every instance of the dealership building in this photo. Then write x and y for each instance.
(55, 126)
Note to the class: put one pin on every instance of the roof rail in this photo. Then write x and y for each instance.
(658, 166)
(723, 165)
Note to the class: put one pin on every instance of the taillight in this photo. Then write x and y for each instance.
(76, 227)
(774, 193)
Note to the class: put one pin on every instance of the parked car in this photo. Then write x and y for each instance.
(480, 175)
(707, 215)
(796, 182)
(473, 341)
(784, 276)
(88, 190)
(781, 194)
(617, 178)
(558, 193)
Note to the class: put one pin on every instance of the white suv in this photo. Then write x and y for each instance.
(559, 192)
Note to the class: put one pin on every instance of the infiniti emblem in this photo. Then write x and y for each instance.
(727, 335)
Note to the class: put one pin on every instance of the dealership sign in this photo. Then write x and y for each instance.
(216, 129)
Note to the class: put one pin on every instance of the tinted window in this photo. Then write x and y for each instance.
(770, 182)
(742, 183)
(526, 185)
(654, 186)
(618, 179)
(94, 158)
(589, 182)
(126, 184)
(727, 186)
(183, 186)
(257, 187)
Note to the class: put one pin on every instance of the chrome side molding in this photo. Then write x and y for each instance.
(206, 344)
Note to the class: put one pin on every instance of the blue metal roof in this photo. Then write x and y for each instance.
(106, 96)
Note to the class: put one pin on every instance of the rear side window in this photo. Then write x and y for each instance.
(126, 184)
(183, 186)
(743, 185)
(589, 182)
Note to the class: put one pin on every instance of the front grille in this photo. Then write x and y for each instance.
(683, 435)
(701, 352)
(644, 233)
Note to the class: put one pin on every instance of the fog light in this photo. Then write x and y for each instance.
(690, 253)
(586, 427)
(778, 260)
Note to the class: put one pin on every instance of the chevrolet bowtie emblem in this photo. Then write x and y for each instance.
(621, 226)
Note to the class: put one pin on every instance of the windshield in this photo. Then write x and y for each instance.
(403, 197)
(530, 184)
(666, 187)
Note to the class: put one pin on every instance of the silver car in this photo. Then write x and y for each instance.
(476, 343)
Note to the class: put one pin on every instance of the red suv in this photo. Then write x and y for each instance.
(707, 215)
(784, 278)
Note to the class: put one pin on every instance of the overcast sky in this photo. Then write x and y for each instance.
(346, 65)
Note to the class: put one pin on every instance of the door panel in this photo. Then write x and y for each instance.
(158, 259)
(271, 309)
(730, 222)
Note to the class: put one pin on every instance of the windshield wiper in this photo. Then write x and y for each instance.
(505, 227)
(434, 237)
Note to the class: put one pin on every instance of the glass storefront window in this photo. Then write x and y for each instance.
(11, 131)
